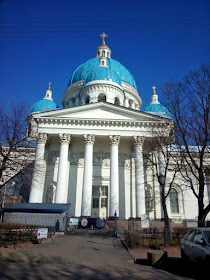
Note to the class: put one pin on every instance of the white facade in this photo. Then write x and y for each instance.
(91, 153)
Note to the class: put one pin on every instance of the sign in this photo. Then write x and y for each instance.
(74, 221)
(42, 233)
(144, 221)
(84, 222)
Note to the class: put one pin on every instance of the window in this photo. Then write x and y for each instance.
(130, 102)
(104, 202)
(190, 235)
(95, 191)
(104, 191)
(198, 236)
(95, 202)
(87, 100)
(107, 54)
(116, 101)
(102, 62)
(174, 201)
(102, 97)
(98, 53)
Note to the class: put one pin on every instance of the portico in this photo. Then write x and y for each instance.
(102, 160)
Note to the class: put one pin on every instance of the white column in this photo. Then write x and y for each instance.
(133, 105)
(126, 102)
(37, 185)
(114, 176)
(88, 175)
(62, 183)
(139, 176)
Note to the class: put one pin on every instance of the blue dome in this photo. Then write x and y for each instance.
(42, 105)
(102, 73)
(158, 109)
(117, 71)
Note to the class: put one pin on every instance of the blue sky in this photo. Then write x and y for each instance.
(46, 40)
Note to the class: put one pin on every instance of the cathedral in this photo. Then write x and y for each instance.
(90, 153)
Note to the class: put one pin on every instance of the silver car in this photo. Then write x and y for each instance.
(195, 245)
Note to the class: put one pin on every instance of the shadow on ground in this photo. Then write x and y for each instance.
(181, 268)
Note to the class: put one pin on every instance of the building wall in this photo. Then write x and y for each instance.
(101, 177)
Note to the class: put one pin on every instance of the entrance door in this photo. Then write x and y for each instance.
(99, 202)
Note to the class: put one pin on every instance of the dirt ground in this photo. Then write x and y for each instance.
(174, 263)
(76, 257)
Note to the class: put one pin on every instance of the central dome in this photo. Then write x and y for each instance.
(92, 66)
(102, 79)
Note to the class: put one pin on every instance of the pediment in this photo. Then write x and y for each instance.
(99, 111)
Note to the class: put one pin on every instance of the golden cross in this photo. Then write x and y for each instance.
(103, 35)
(49, 85)
(154, 92)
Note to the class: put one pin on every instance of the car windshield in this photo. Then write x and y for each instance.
(207, 235)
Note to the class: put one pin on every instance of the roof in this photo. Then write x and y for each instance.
(120, 72)
(37, 207)
(158, 109)
(43, 104)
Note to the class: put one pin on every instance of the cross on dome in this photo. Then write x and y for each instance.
(103, 35)
(49, 85)
(154, 92)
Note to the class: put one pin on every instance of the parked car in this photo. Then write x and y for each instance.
(195, 246)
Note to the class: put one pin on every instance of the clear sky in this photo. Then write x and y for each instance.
(46, 40)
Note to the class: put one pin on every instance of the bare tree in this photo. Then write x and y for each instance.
(163, 159)
(189, 103)
(15, 151)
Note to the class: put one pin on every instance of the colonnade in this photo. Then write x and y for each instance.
(62, 179)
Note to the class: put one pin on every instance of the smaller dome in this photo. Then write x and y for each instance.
(46, 103)
(156, 108)
(102, 73)
(42, 105)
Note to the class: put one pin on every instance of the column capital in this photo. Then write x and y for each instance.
(89, 138)
(138, 140)
(41, 138)
(114, 139)
(65, 138)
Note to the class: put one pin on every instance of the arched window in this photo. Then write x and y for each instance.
(102, 97)
(116, 101)
(87, 100)
(130, 103)
(98, 53)
(174, 202)
(102, 62)
(107, 54)
(72, 102)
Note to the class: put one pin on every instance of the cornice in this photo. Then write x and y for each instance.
(109, 123)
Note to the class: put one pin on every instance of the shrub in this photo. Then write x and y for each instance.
(9, 226)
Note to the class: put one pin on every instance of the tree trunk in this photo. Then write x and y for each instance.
(166, 218)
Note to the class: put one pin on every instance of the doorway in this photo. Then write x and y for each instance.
(99, 202)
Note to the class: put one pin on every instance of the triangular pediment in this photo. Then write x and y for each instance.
(99, 111)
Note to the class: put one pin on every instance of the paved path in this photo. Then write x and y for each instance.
(78, 257)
